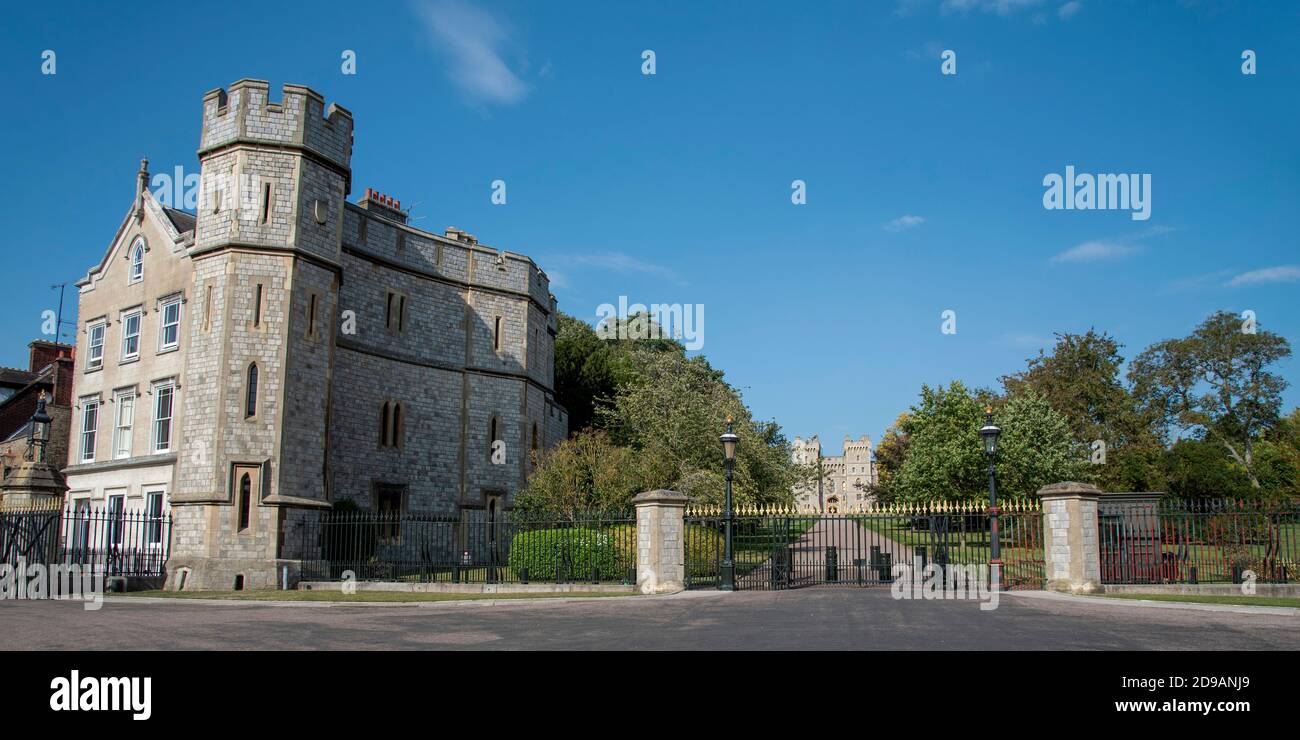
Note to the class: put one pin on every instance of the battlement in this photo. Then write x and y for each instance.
(245, 113)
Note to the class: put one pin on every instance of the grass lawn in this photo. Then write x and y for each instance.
(1213, 599)
(363, 595)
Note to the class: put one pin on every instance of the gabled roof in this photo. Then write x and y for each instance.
(180, 219)
(169, 220)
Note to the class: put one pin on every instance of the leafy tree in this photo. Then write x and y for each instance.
(1196, 468)
(945, 460)
(890, 455)
(585, 377)
(945, 456)
(1277, 457)
(584, 474)
(673, 413)
(1036, 447)
(1216, 383)
(589, 369)
(649, 417)
(1081, 380)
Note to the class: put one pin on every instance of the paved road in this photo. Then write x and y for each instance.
(851, 540)
(806, 619)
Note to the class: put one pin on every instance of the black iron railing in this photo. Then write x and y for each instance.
(777, 548)
(477, 548)
(124, 543)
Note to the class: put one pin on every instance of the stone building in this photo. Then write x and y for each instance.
(284, 349)
(844, 481)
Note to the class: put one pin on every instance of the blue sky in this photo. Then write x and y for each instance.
(924, 191)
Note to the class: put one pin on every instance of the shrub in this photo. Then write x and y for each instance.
(704, 547)
(572, 554)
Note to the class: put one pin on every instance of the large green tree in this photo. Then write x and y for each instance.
(945, 456)
(1216, 383)
(1080, 378)
(646, 416)
(891, 453)
(673, 411)
(1196, 468)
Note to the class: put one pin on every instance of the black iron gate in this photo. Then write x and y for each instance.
(776, 549)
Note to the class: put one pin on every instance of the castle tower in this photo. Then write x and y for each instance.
(252, 463)
(859, 470)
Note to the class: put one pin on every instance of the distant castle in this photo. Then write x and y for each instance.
(846, 480)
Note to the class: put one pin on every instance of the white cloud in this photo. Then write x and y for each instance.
(1069, 10)
(617, 262)
(1001, 7)
(1094, 251)
(1027, 341)
(1279, 274)
(558, 280)
(472, 40)
(1199, 282)
(904, 8)
(902, 223)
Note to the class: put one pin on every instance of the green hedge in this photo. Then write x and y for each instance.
(573, 553)
(704, 547)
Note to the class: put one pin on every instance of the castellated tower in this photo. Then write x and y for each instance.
(845, 481)
(266, 254)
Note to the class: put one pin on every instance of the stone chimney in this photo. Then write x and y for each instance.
(384, 205)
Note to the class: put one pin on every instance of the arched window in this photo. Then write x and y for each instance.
(245, 500)
(383, 425)
(250, 393)
(492, 435)
(137, 261)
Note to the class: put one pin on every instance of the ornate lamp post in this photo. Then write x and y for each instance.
(38, 433)
(989, 432)
(729, 440)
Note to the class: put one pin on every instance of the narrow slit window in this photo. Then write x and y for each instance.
(496, 334)
(395, 437)
(257, 306)
(250, 397)
(311, 316)
(245, 501)
(266, 202)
